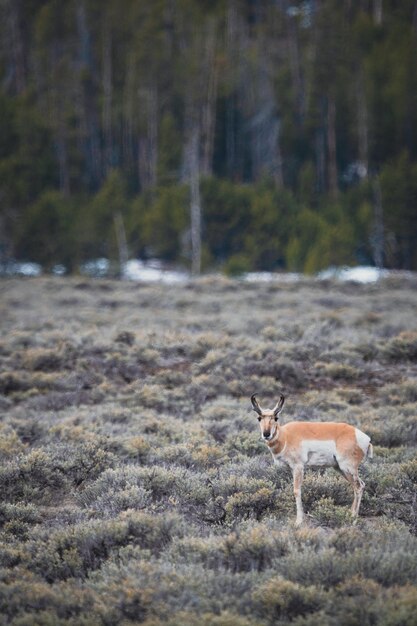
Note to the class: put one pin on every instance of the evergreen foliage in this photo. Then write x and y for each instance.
(302, 110)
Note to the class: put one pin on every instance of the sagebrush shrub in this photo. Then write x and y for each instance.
(255, 504)
(327, 514)
(403, 347)
(283, 600)
(134, 485)
(10, 442)
(31, 477)
(42, 359)
(83, 548)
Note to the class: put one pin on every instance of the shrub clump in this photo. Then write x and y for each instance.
(10, 442)
(403, 347)
(77, 551)
(42, 474)
(337, 371)
(327, 514)
(282, 600)
(243, 505)
(42, 360)
(254, 549)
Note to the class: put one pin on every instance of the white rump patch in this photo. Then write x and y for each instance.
(317, 452)
(362, 440)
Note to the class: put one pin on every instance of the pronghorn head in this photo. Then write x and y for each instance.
(268, 418)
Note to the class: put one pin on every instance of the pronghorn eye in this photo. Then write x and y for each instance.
(276, 418)
(259, 419)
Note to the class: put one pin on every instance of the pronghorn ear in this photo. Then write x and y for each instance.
(278, 407)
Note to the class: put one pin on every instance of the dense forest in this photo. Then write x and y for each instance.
(284, 133)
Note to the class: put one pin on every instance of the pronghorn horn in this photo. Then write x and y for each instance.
(255, 404)
(278, 407)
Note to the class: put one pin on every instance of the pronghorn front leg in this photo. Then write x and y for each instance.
(298, 473)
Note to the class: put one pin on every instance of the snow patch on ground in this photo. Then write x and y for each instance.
(152, 271)
(16, 268)
(360, 274)
(363, 274)
(267, 277)
(96, 268)
(155, 271)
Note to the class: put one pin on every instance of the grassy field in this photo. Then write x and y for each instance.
(134, 485)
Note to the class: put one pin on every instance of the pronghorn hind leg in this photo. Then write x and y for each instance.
(349, 477)
(298, 474)
(357, 486)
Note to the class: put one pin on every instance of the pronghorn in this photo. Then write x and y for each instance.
(317, 444)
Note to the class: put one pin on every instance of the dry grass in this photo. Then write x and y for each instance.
(134, 487)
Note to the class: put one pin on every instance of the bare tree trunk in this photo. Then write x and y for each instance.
(87, 108)
(62, 153)
(362, 119)
(230, 136)
(209, 107)
(231, 35)
(16, 46)
(57, 117)
(195, 202)
(295, 67)
(278, 172)
(121, 241)
(264, 123)
(377, 11)
(107, 96)
(377, 235)
(128, 118)
(153, 134)
(320, 160)
(331, 145)
(148, 144)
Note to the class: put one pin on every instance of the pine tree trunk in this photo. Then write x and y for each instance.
(295, 67)
(57, 119)
(148, 144)
(231, 28)
(16, 46)
(121, 241)
(128, 118)
(61, 146)
(209, 107)
(107, 96)
(377, 11)
(377, 236)
(331, 145)
(195, 202)
(265, 124)
(87, 106)
(362, 120)
(278, 171)
(153, 135)
(320, 151)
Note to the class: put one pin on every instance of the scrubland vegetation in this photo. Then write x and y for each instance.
(134, 487)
